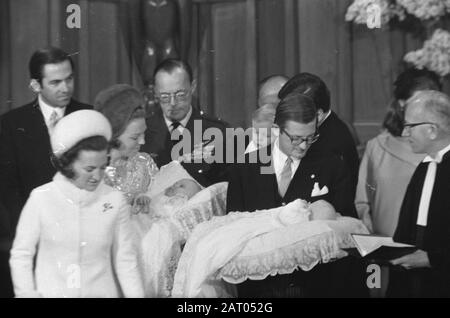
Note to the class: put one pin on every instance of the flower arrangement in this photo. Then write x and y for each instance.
(425, 9)
(361, 11)
(435, 54)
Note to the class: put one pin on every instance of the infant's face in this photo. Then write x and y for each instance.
(185, 187)
(322, 210)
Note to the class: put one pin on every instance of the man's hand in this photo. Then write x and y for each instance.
(418, 259)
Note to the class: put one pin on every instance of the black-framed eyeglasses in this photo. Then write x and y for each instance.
(179, 96)
(298, 140)
(407, 125)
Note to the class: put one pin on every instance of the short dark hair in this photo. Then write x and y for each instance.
(64, 162)
(407, 82)
(296, 107)
(43, 56)
(310, 85)
(170, 65)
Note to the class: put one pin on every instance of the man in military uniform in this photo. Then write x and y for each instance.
(177, 120)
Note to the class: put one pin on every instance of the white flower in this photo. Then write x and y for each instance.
(360, 11)
(435, 54)
(425, 9)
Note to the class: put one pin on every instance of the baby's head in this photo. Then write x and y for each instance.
(322, 210)
(187, 187)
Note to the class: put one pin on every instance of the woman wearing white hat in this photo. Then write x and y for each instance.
(76, 226)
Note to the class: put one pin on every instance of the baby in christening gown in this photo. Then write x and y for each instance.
(174, 197)
(162, 244)
(211, 245)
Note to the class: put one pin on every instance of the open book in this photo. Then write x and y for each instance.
(380, 247)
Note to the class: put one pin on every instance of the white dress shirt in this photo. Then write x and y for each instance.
(279, 160)
(48, 110)
(182, 122)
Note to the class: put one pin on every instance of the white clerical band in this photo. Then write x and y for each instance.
(427, 190)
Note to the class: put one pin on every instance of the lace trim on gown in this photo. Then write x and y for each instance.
(304, 254)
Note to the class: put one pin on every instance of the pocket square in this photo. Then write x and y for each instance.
(317, 191)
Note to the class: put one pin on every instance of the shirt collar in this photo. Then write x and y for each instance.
(47, 110)
(279, 159)
(326, 116)
(183, 122)
(439, 155)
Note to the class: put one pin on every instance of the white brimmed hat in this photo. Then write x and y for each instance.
(77, 126)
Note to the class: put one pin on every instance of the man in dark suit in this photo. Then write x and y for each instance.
(425, 214)
(24, 136)
(298, 173)
(335, 135)
(176, 117)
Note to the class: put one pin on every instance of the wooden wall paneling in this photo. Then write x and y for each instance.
(398, 42)
(29, 31)
(125, 65)
(206, 53)
(270, 37)
(251, 64)
(103, 46)
(342, 101)
(5, 65)
(231, 37)
(317, 40)
(57, 21)
(83, 58)
(291, 47)
(371, 79)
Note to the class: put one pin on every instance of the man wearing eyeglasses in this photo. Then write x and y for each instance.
(425, 214)
(335, 135)
(297, 174)
(174, 87)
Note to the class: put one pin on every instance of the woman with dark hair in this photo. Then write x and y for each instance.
(129, 171)
(388, 162)
(76, 226)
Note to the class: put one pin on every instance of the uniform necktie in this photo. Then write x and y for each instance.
(285, 179)
(175, 125)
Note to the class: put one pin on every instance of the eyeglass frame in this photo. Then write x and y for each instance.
(302, 139)
(407, 126)
(174, 95)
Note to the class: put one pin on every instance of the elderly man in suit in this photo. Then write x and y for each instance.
(296, 173)
(424, 217)
(24, 136)
(178, 118)
(335, 135)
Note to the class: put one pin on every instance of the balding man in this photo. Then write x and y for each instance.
(425, 214)
(269, 88)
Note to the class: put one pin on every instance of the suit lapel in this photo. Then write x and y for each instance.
(302, 183)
